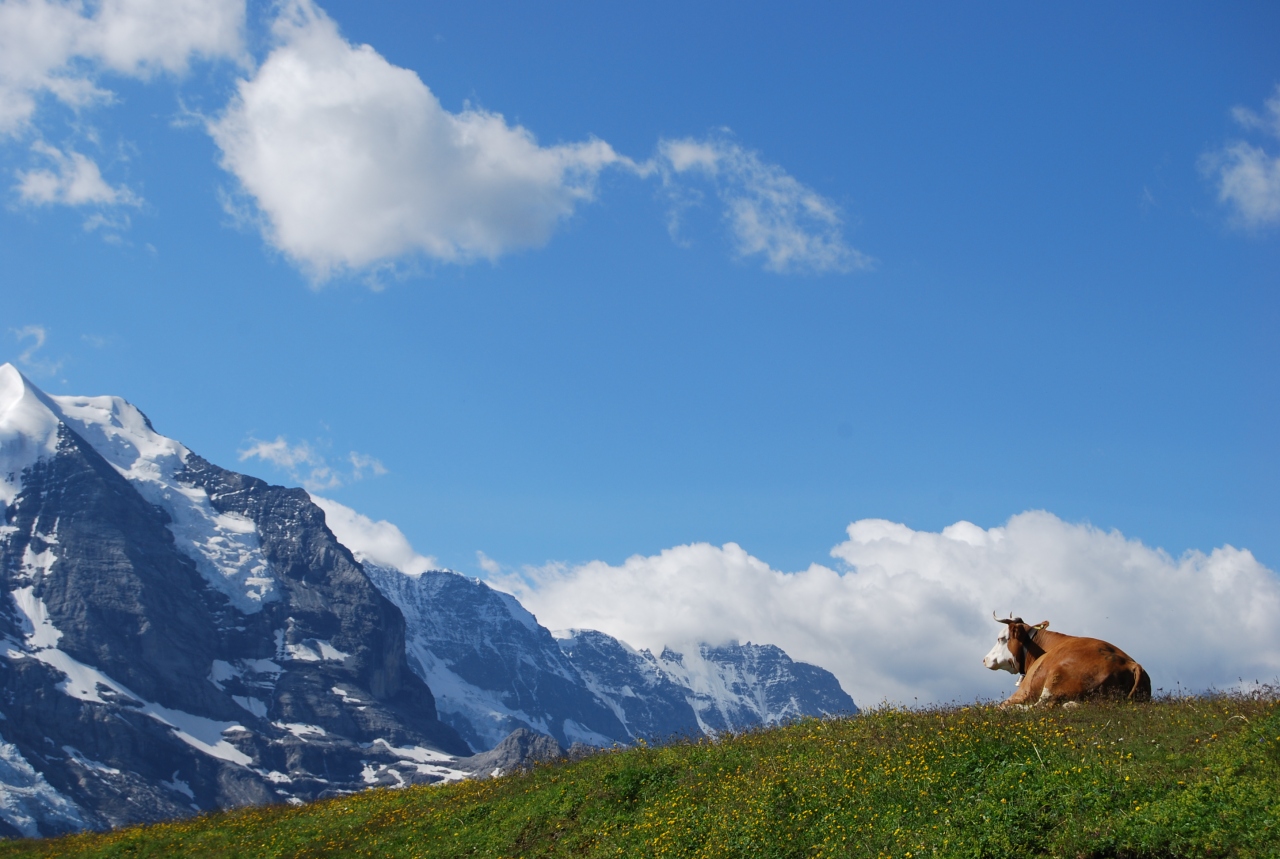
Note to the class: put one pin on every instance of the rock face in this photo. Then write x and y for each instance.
(331, 625)
(177, 637)
(707, 690)
(491, 666)
(494, 669)
(521, 749)
(648, 699)
(739, 686)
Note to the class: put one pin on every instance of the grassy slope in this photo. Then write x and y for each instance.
(1192, 777)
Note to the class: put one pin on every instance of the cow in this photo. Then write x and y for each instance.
(1058, 668)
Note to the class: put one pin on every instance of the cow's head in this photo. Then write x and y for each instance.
(1010, 652)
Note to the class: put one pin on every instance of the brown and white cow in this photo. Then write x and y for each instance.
(1058, 668)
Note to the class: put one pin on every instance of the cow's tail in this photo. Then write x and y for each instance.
(1141, 690)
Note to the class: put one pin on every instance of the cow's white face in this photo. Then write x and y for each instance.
(1001, 657)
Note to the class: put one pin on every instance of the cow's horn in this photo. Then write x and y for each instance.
(1001, 619)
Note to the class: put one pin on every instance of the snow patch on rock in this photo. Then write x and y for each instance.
(314, 650)
(30, 804)
(177, 785)
(86, 683)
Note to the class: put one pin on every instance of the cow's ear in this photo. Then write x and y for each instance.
(1044, 624)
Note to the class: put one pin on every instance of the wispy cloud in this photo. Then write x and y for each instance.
(489, 565)
(35, 336)
(906, 614)
(1247, 175)
(305, 464)
(60, 49)
(378, 542)
(74, 179)
(770, 214)
(361, 463)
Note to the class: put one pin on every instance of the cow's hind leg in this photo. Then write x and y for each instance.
(1021, 697)
(1048, 699)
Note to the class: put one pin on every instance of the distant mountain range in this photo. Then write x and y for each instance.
(493, 669)
(178, 637)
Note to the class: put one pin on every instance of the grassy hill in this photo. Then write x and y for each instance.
(1175, 778)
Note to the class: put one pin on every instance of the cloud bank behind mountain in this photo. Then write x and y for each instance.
(905, 615)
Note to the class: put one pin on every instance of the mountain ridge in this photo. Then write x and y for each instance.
(176, 637)
(173, 644)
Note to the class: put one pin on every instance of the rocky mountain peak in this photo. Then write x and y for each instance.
(179, 637)
(176, 637)
(28, 429)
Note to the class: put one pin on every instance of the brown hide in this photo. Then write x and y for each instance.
(1060, 668)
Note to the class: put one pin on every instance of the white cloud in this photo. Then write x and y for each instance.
(29, 357)
(37, 334)
(362, 462)
(109, 225)
(352, 162)
(61, 47)
(769, 212)
(1249, 183)
(1248, 176)
(378, 542)
(909, 616)
(489, 565)
(73, 180)
(348, 163)
(142, 37)
(1268, 121)
(305, 464)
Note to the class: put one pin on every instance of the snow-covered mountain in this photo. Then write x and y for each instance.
(493, 668)
(705, 690)
(177, 637)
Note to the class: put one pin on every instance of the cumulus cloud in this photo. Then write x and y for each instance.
(347, 163)
(60, 48)
(906, 615)
(770, 213)
(1248, 176)
(305, 464)
(352, 162)
(72, 179)
(377, 542)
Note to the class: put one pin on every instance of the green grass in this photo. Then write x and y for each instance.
(1174, 778)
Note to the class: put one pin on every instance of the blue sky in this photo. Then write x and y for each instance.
(1010, 259)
